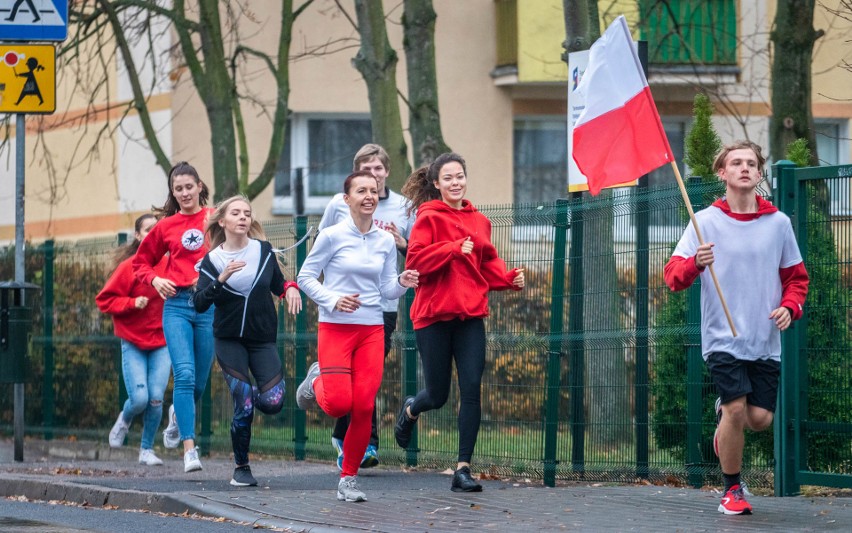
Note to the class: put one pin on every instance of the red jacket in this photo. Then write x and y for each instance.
(142, 327)
(182, 237)
(452, 284)
(680, 272)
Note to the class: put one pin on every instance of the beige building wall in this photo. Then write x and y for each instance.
(103, 195)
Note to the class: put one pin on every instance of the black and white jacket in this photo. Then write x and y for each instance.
(237, 316)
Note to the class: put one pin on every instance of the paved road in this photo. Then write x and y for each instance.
(300, 496)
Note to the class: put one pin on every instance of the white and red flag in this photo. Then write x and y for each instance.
(618, 137)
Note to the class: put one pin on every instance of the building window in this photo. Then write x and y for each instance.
(540, 159)
(831, 139)
(323, 147)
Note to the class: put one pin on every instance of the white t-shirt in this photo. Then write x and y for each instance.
(242, 280)
(390, 209)
(747, 257)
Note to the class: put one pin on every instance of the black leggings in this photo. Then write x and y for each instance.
(238, 357)
(439, 344)
(342, 423)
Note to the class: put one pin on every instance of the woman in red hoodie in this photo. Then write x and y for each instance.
(137, 316)
(450, 246)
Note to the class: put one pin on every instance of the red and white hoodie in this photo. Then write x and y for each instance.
(759, 268)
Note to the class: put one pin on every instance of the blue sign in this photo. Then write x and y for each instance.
(33, 20)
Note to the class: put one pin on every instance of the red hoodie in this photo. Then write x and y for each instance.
(681, 272)
(142, 327)
(453, 284)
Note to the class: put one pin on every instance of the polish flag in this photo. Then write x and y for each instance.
(618, 137)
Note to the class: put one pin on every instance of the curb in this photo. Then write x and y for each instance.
(176, 503)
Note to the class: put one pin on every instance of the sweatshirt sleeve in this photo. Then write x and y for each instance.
(151, 251)
(681, 272)
(277, 285)
(794, 288)
(427, 256)
(313, 266)
(493, 268)
(208, 288)
(114, 299)
(389, 285)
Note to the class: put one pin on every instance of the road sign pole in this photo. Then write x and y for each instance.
(20, 155)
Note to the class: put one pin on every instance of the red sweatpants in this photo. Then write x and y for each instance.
(351, 361)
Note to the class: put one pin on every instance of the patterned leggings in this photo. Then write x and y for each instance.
(238, 357)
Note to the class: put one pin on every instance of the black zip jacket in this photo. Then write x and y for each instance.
(236, 316)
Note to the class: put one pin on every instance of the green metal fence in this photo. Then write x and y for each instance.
(593, 371)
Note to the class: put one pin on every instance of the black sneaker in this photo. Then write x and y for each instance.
(464, 482)
(404, 424)
(243, 478)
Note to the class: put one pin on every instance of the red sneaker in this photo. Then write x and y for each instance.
(734, 502)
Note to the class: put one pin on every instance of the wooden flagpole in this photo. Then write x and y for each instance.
(701, 241)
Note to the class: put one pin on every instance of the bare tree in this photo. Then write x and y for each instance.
(418, 22)
(209, 46)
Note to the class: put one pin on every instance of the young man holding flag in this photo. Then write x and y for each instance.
(757, 260)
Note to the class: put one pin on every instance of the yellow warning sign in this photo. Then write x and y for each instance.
(27, 78)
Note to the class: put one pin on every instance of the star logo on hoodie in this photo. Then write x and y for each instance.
(192, 239)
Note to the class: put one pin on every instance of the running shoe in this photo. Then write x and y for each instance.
(147, 457)
(118, 432)
(464, 482)
(171, 435)
(191, 462)
(404, 425)
(242, 477)
(347, 490)
(371, 457)
(338, 445)
(305, 396)
(734, 502)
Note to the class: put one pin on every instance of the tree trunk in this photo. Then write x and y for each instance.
(376, 61)
(793, 38)
(418, 22)
(606, 373)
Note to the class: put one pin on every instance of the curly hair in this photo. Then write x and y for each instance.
(420, 186)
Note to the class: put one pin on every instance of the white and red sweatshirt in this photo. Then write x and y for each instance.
(759, 268)
(182, 236)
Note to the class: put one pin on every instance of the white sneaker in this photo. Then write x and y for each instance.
(148, 458)
(347, 490)
(118, 432)
(191, 463)
(305, 395)
(171, 435)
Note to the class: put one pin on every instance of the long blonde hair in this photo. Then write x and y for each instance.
(216, 234)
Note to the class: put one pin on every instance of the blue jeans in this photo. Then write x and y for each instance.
(189, 336)
(146, 375)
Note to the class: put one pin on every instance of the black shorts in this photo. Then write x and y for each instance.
(756, 380)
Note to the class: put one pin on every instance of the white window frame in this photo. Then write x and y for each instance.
(300, 158)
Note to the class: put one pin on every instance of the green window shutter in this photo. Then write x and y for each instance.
(690, 31)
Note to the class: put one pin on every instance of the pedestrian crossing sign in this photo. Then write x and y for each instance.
(27, 78)
(33, 20)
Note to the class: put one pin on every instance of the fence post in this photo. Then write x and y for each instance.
(301, 364)
(48, 405)
(787, 415)
(640, 380)
(554, 353)
(694, 381)
(409, 367)
(576, 369)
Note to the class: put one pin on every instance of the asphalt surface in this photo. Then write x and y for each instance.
(300, 496)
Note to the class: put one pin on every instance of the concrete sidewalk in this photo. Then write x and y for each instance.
(300, 496)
